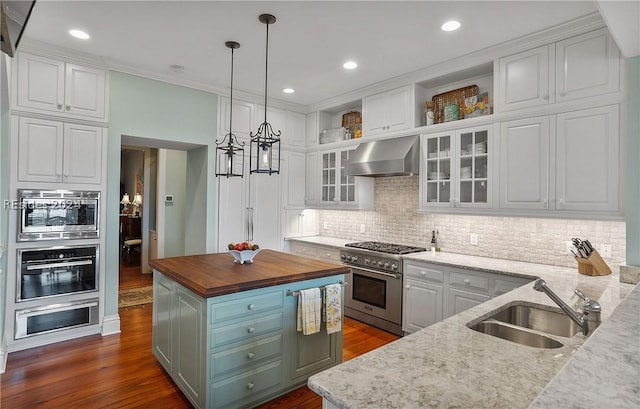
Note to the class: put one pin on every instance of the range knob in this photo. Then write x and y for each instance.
(380, 263)
(394, 266)
(348, 258)
(354, 258)
(342, 256)
(387, 265)
(367, 261)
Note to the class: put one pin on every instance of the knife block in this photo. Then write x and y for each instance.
(593, 265)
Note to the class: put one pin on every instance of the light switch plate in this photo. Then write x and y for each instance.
(325, 225)
(473, 239)
(605, 249)
(362, 229)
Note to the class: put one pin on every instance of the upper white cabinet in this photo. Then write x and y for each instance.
(311, 179)
(587, 150)
(524, 79)
(243, 116)
(389, 111)
(565, 163)
(297, 130)
(52, 151)
(312, 132)
(456, 168)
(578, 67)
(339, 189)
(53, 86)
(587, 65)
(291, 125)
(524, 164)
(293, 165)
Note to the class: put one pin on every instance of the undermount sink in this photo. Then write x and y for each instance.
(516, 335)
(543, 320)
(528, 324)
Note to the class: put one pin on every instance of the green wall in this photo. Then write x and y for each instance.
(152, 109)
(175, 215)
(632, 191)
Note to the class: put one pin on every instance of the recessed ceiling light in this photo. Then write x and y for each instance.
(288, 90)
(450, 25)
(350, 65)
(79, 34)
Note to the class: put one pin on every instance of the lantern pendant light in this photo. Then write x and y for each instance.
(230, 150)
(264, 147)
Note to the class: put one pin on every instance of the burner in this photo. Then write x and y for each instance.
(385, 247)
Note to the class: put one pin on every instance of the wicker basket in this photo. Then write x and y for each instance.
(349, 120)
(447, 98)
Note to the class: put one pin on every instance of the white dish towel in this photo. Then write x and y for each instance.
(333, 307)
(309, 308)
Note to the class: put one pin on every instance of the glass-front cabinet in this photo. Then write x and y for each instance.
(456, 168)
(336, 185)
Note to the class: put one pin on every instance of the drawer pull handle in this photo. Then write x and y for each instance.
(250, 355)
(59, 106)
(466, 281)
(251, 330)
(423, 273)
(252, 307)
(68, 107)
(407, 286)
(250, 385)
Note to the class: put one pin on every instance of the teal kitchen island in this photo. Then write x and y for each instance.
(226, 333)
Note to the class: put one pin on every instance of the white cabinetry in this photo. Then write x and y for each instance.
(312, 189)
(389, 111)
(456, 168)
(422, 296)
(339, 189)
(301, 223)
(312, 132)
(587, 148)
(293, 166)
(433, 292)
(562, 163)
(291, 125)
(578, 67)
(53, 86)
(52, 151)
(243, 118)
(249, 209)
(524, 164)
(317, 251)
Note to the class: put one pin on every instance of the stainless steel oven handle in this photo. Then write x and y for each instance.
(374, 271)
(58, 265)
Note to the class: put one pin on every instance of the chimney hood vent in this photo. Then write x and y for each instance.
(388, 157)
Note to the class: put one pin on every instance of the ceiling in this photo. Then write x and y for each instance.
(307, 45)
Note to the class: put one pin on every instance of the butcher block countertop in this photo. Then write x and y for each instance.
(210, 275)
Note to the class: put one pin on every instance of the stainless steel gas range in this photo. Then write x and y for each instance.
(374, 291)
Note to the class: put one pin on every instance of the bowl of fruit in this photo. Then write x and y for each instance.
(243, 252)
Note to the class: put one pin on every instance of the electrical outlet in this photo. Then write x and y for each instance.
(473, 239)
(568, 246)
(362, 230)
(325, 225)
(605, 249)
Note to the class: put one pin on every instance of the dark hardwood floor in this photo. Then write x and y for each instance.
(120, 371)
(131, 277)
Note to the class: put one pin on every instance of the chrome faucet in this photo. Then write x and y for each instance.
(588, 320)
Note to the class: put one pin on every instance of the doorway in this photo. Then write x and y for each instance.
(158, 170)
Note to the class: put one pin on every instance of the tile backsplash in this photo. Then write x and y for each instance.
(539, 240)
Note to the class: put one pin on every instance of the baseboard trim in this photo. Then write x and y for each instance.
(3, 355)
(111, 325)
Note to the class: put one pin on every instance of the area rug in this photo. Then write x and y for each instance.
(135, 296)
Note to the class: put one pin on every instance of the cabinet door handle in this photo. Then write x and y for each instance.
(407, 286)
(251, 330)
(466, 281)
(68, 107)
(59, 106)
(423, 273)
(250, 385)
(252, 307)
(250, 355)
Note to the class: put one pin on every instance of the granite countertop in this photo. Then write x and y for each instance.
(449, 365)
(216, 274)
(322, 240)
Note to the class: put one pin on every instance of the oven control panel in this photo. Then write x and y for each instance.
(371, 260)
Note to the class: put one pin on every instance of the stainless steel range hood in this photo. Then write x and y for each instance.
(389, 157)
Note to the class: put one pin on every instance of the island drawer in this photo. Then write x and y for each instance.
(245, 355)
(466, 280)
(247, 387)
(245, 330)
(422, 272)
(246, 307)
(329, 254)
